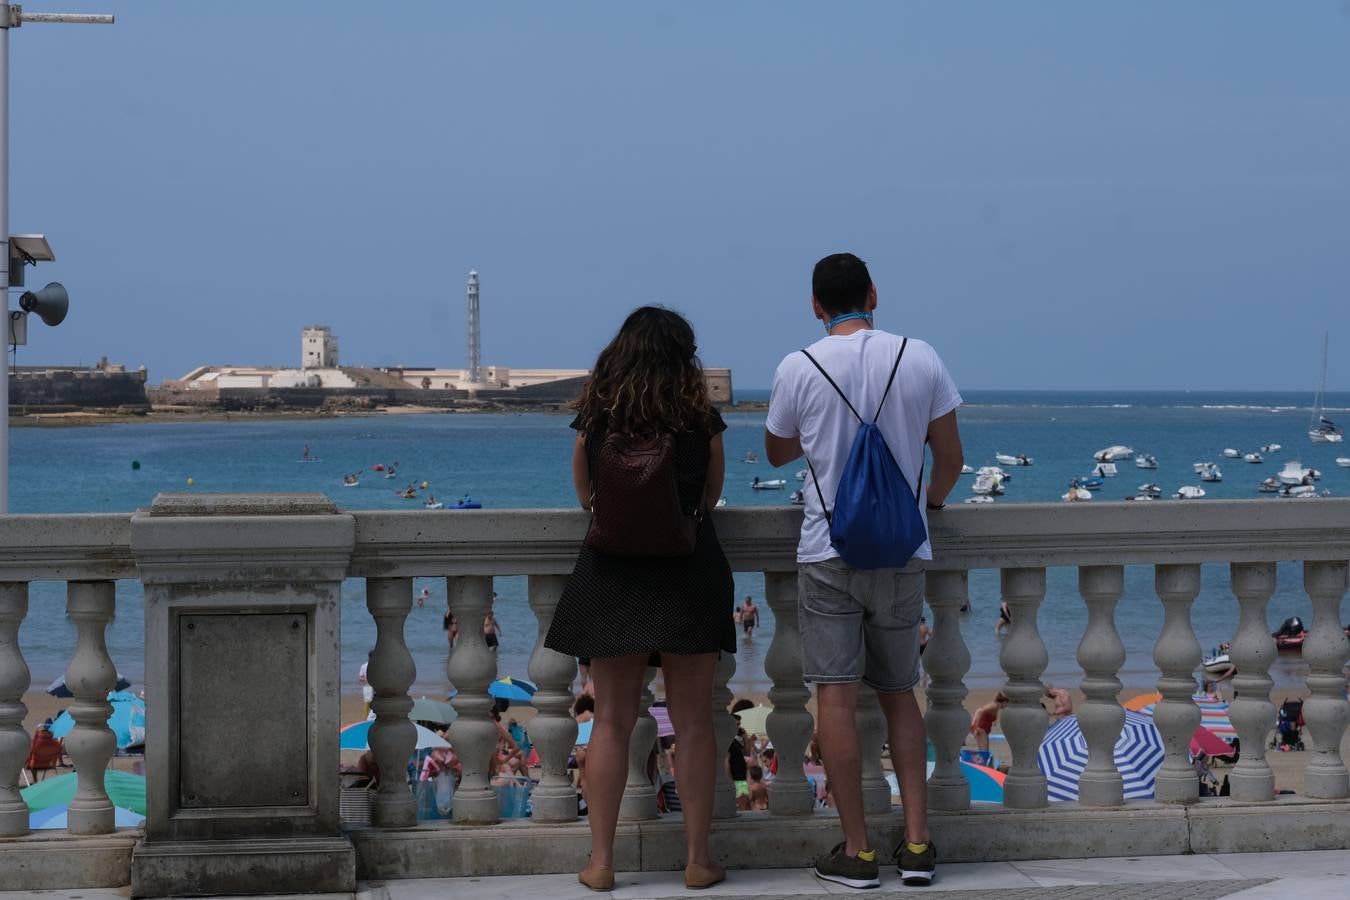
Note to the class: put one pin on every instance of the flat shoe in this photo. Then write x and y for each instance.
(698, 877)
(597, 878)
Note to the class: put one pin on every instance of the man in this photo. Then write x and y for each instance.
(862, 625)
(749, 617)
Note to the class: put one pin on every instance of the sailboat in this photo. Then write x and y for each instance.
(1321, 429)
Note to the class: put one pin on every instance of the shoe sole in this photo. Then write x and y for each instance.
(912, 878)
(857, 883)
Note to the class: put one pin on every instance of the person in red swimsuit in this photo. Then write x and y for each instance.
(985, 718)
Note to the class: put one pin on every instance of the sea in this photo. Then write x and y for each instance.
(521, 460)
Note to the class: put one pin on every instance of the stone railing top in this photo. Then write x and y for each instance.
(209, 504)
(67, 547)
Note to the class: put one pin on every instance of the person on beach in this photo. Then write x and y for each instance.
(982, 723)
(1004, 619)
(367, 691)
(749, 615)
(1061, 704)
(759, 791)
(492, 631)
(625, 612)
(862, 625)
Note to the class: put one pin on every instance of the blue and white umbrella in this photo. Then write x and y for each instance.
(1064, 754)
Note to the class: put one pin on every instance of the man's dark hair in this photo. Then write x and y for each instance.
(585, 703)
(840, 283)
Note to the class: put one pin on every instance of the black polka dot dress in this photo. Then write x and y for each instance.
(621, 605)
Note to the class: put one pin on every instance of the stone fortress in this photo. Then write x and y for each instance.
(321, 380)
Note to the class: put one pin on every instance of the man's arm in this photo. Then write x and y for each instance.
(945, 440)
(781, 450)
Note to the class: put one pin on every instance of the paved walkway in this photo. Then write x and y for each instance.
(1240, 876)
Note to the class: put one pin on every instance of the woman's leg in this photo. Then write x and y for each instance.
(618, 689)
(689, 685)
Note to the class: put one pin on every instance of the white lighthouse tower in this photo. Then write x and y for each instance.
(475, 368)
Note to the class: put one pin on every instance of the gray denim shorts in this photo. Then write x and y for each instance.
(860, 624)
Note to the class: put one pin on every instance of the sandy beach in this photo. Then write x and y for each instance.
(1288, 767)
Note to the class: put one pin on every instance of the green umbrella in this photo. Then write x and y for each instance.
(753, 719)
(438, 711)
(124, 789)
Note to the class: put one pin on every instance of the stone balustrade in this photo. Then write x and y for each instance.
(468, 549)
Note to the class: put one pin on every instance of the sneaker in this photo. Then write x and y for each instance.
(916, 869)
(853, 871)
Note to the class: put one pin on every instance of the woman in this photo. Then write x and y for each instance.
(982, 723)
(624, 612)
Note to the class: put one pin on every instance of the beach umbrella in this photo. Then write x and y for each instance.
(753, 719)
(127, 720)
(1213, 712)
(125, 790)
(509, 688)
(584, 732)
(58, 687)
(1143, 703)
(1206, 741)
(986, 784)
(357, 736)
(1139, 754)
(55, 817)
(438, 711)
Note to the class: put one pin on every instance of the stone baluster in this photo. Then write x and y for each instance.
(391, 672)
(1101, 654)
(1176, 654)
(14, 680)
(871, 738)
(1024, 659)
(639, 794)
(1326, 711)
(472, 669)
(724, 732)
(553, 731)
(946, 661)
(789, 725)
(1252, 651)
(90, 676)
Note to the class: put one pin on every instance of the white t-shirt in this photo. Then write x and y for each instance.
(803, 405)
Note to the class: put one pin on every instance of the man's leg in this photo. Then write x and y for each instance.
(909, 753)
(837, 705)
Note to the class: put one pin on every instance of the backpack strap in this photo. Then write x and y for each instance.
(884, 394)
(836, 387)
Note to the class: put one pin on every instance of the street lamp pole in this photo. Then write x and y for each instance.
(12, 16)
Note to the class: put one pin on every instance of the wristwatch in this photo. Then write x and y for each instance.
(935, 508)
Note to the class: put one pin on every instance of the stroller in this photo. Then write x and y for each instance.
(1289, 728)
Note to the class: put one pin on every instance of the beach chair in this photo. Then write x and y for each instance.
(46, 754)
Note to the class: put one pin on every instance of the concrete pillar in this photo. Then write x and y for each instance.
(871, 725)
(639, 794)
(90, 676)
(391, 671)
(1177, 654)
(1252, 651)
(242, 622)
(724, 732)
(789, 725)
(14, 681)
(947, 660)
(1101, 654)
(472, 668)
(1326, 710)
(553, 731)
(1024, 658)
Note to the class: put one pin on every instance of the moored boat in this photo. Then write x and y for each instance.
(1343, 462)
(1212, 473)
(1013, 459)
(1113, 453)
(1146, 461)
(1254, 458)
(1231, 453)
(1270, 485)
(1189, 492)
(1290, 635)
(774, 484)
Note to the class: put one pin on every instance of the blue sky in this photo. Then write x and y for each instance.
(1057, 195)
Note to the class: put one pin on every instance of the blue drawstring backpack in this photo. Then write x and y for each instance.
(876, 523)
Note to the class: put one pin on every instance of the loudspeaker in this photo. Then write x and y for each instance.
(50, 303)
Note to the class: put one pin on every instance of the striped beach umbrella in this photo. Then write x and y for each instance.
(1064, 753)
(1213, 712)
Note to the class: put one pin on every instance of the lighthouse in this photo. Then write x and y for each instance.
(474, 370)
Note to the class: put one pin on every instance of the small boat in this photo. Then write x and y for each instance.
(982, 498)
(1113, 453)
(1075, 494)
(1146, 461)
(1017, 459)
(1270, 448)
(1091, 483)
(1200, 467)
(797, 498)
(988, 484)
(1343, 462)
(1290, 635)
(1141, 497)
(378, 467)
(433, 504)
(407, 493)
(391, 474)
(1151, 490)
(1294, 473)
(466, 503)
(1298, 491)
(801, 475)
(1189, 492)
(775, 484)
(1270, 485)
(1213, 473)
(993, 470)
(967, 470)
(350, 482)
(1218, 661)
(1255, 458)
(721, 503)
(1322, 430)
(751, 456)
(1231, 453)
(1104, 470)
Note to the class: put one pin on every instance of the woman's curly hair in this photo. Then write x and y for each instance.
(648, 378)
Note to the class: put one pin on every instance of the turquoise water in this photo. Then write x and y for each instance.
(522, 460)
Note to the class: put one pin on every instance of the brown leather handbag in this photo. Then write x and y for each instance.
(635, 498)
